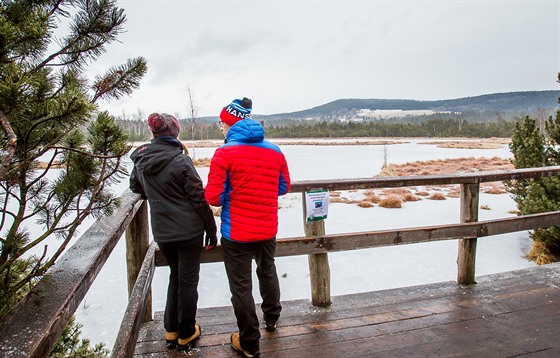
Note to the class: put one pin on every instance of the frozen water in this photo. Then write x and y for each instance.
(351, 271)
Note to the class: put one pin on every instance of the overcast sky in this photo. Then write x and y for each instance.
(294, 55)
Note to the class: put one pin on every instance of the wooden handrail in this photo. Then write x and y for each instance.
(420, 180)
(34, 325)
(134, 314)
(303, 245)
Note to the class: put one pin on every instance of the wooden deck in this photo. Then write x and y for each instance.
(509, 314)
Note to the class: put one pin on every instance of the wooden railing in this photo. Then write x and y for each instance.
(33, 327)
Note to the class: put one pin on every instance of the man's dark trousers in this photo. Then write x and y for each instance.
(238, 260)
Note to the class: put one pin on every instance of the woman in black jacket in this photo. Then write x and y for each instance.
(180, 216)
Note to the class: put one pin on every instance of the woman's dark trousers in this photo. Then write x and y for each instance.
(182, 292)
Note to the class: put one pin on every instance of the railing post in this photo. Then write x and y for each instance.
(319, 271)
(137, 242)
(467, 247)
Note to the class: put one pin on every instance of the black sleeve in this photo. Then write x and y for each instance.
(195, 191)
(135, 185)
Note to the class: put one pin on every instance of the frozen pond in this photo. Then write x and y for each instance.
(352, 271)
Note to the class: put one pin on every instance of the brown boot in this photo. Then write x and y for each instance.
(184, 343)
(236, 344)
(171, 339)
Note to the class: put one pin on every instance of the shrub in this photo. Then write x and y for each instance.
(540, 254)
(391, 201)
(437, 196)
(365, 204)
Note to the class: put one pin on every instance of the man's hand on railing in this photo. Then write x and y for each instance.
(210, 242)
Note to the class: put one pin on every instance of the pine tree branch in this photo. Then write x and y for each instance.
(35, 271)
(86, 153)
(93, 28)
(120, 80)
(24, 249)
(44, 173)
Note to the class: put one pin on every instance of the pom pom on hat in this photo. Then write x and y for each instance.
(163, 125)
(237, 110)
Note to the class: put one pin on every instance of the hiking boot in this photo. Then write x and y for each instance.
(270, 323)
(171, 339)
(236, 344)
(184, 343)
(270, 326)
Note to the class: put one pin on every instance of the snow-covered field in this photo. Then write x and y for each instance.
(352, 271)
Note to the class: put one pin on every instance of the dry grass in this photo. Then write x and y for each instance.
(396, 191)
(455, 192)
(494, 189)
(465, 144)
(437, 196)
(365, 204)
(347, 141)
(410, 197)
(373, 198)
(391, 202)
(202, 162)
(540, 254)
(338, 200)
(447, 166)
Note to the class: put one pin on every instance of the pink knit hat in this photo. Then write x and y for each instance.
(163, 125)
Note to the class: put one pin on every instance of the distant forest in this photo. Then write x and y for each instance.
(138, 130)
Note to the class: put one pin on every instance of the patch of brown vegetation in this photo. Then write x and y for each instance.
(447, 166)
(437, 196)
(202, 162)
(454, 193)
(342, 200)
(372, 197)
(540, 254)
(391, 201)
(339, 142)
(396, 191)
(494, 189)
(465, 144)
(365, 204)
(410, 197)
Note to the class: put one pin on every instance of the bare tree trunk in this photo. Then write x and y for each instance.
(10, 147)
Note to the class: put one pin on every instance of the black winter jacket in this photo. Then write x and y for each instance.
(170, 182)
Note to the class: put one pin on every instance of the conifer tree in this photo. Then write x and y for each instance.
(59, 153)
(531, 148)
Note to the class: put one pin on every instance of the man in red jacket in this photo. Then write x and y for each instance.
(247, 174)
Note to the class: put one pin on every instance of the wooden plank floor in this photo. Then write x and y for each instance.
(512, 314)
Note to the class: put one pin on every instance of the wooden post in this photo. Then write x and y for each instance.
(467, 247)
(319, 271)
(137, 242)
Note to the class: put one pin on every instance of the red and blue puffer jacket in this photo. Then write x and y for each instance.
(247, 174)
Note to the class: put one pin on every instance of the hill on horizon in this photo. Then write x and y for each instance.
(509, 103)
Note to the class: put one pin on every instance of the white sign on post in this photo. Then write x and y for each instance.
(317, 204)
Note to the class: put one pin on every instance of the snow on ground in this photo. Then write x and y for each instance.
(351, 271)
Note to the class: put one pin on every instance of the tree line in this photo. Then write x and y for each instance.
(438, 127)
